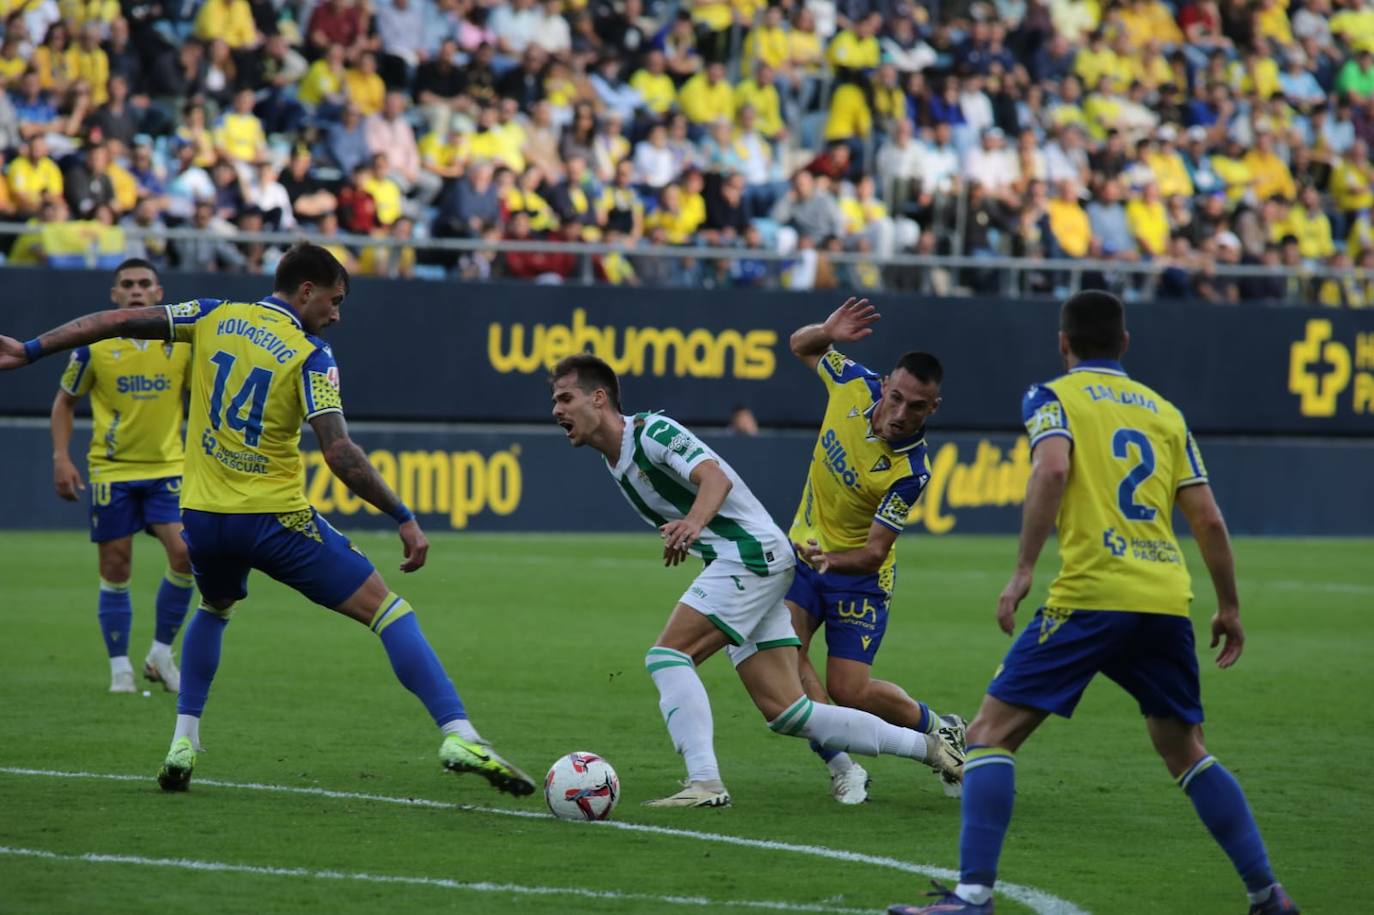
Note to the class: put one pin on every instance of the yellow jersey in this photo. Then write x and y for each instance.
(1132, 453)
(856, 478)
(136, 406)
(256, 376)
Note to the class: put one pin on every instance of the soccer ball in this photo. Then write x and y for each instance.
(581, 786)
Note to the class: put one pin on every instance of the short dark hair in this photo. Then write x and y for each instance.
(307, 263)
(136, 263)
(592, 372)
(922, 366)
(1095, 323)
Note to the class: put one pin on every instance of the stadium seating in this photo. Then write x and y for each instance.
(1193, 136)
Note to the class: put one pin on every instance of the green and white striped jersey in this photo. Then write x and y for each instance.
(657, 457)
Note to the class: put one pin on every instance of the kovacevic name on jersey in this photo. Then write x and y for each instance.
(657, 457)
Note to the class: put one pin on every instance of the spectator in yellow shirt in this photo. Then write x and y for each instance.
(1310, 225)
(231, 21)
(239, 135)
(1171, 174)
(1352, 180)
(1270, 173)
(1344, 291)
(364, 87)
(1257, 73)
(32, 176)
(804, 54)
(768, 43)
(385, 193)
(857, 48)
(761, 94)
(654, 85)
(1095, 61)
(87, 60)
(850, 117)
(1234, 171)
(1149, 221)
(323, 83)
(677, 224)
(707, 97)
(13, 61)
(1069, 224)
(1271, 21)
(391, 262)
(50, 60)
(1144, 20)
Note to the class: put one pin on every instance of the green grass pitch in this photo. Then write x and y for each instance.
(545, 637)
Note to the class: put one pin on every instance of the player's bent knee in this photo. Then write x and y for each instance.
(392, 609)
(221, 608)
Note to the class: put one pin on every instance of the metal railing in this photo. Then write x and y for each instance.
(966, 274)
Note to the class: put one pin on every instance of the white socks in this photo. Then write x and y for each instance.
(160, 650)
(849, 729)
(686, 711)
(188, 726)
(839, 764)
(120, 664)
(975, 893)
(463, 728)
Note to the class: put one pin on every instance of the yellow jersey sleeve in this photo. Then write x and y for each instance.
(319, 384)
(1191, 470)
(1043, 415)
(835, 368)
(79, 375)
(182, 318)
(897, 503)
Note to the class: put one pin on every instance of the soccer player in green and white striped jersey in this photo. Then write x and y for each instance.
(700, 505)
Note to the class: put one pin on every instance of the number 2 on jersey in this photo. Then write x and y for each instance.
(252, 394)
(1125, 493)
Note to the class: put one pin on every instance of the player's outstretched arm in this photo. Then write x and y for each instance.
(350, 464)
(1050, 462)
(865, 560)
(712, 488)
(145, 323)
(1200, 510)
(66, 478)
(851, 321)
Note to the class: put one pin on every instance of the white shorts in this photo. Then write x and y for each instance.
(748, 608)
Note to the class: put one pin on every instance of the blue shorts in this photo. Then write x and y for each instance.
(852, 607)
(121, 509)
(299, 549)
(1149, 655)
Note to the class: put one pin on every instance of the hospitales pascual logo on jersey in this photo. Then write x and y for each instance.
(1321, 369)
(1114, 542)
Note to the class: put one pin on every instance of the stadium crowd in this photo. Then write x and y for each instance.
(1197, 136)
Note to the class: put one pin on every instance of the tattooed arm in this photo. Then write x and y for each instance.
(350, 464)
(149, 323)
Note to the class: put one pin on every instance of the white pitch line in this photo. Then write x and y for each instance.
(507, 889)
(1038, 901)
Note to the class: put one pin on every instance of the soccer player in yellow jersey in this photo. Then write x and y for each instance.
(258, 372)
(868, 469)
(1110, 461)
(136, 389)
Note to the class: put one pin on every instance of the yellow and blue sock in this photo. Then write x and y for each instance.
(414, 661)
(116, 614)
(1221, 805)
(200, 651)
(173, 600)
(989, 791)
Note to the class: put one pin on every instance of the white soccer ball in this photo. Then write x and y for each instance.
(581, 786)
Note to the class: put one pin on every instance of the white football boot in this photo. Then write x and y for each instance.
(695, 794)
(159, 667)
(850, 786)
